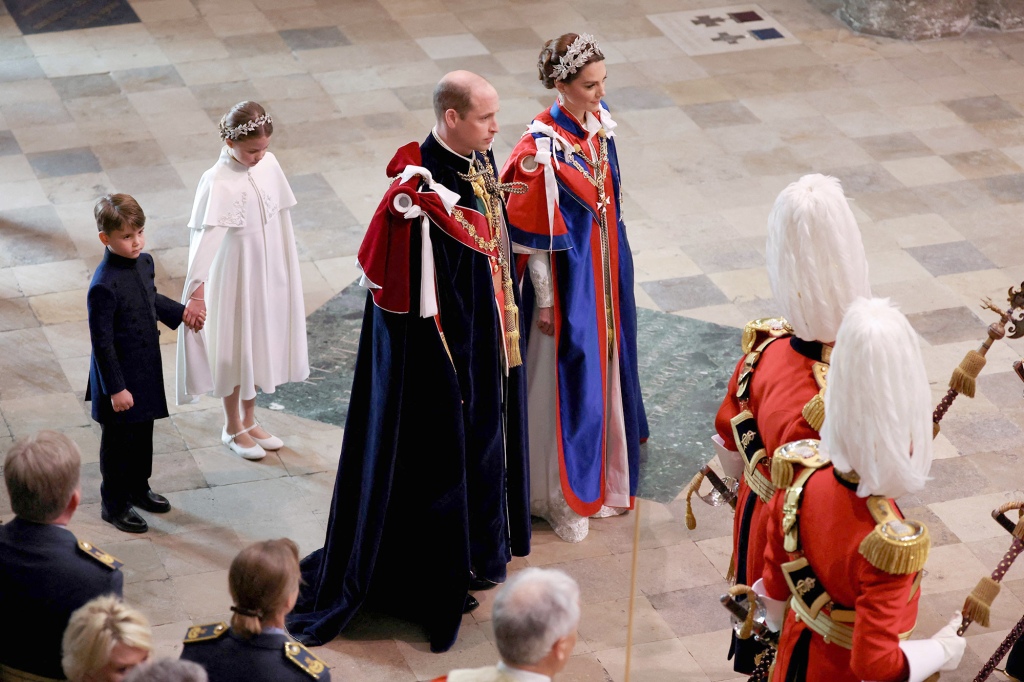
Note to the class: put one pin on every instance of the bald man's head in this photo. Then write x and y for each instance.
(466, 108)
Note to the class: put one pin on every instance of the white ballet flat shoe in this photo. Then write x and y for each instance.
(254, 453)
(272, 443)
(605, 512)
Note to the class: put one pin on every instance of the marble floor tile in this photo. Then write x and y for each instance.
(948, 568)
(709, 650)
(92, 85)
(653, 661)
(1005, 189)
(64, 162)
(978, 109)
(684, 292)
(926, 170)
(949, 258)
(983, 163)
(447, 46)
(894, 146)
(472, 649)
(314, 38)
(719, 113)
(949, 325)
(690, 611)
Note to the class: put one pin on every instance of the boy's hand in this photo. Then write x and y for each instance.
(122, 401)
(195, 314)
(193, 320)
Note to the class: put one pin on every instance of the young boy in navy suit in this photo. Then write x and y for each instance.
(126, 383)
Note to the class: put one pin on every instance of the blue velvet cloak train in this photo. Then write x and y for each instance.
(433, 477)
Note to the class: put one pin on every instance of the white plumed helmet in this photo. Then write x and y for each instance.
(878, 403)
(816, 262)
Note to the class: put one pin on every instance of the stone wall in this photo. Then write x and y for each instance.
(926, 19)
(1005, 15)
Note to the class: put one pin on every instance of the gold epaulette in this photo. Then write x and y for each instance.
(204, 633)
(760, 329)
(803, 453)
(94, 552)
(814, 410)
(897, 546)
(302, 657)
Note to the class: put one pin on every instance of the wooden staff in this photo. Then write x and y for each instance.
(632, 587)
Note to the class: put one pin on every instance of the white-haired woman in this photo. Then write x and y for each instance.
(851, 566)
(104, 640)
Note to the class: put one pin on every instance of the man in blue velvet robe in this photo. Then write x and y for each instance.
(432, 495)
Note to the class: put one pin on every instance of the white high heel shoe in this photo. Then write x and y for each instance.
(254, 453)
(272, 443)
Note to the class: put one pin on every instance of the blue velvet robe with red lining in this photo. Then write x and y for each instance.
(577, 279)
(434, 469)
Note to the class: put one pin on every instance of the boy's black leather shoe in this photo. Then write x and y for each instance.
(128, 521)
(151, 502)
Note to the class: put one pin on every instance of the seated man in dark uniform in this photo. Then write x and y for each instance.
(46, 573)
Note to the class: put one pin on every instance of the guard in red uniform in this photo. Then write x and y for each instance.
(816, 266)
(839, 551)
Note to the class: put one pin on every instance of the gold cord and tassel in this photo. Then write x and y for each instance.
(692, 487)
(978, 606)
(490, 192)
(964, 379)
(747, 629)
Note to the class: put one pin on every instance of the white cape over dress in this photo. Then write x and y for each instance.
(243, 247)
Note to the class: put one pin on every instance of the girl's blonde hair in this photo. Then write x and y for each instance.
(94, 630)
(261, 579)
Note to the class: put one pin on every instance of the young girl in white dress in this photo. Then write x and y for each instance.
(243, 271)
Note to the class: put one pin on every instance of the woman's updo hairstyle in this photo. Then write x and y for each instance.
(261, 579)
(246, 120)
(552, 54)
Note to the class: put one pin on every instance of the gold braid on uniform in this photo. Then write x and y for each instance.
(804, 453)
(491, 192)
(896, 546)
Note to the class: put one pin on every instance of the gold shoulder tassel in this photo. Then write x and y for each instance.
(782, 472)
(897, 546)
(814, 411)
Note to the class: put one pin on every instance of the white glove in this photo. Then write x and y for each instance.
(952, 645)
(731, 460)
(943, 651)
(775, 609)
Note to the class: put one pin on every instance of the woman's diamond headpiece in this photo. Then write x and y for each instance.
(579, 52)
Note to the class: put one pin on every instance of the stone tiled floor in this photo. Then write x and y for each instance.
(927, 138)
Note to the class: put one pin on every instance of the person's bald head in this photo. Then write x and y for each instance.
(466, 107)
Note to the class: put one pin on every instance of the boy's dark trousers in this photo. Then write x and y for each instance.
(126, 463)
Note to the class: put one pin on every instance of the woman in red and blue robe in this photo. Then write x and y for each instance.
(586, 415)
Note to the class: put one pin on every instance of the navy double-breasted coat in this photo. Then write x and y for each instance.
(124, 307)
